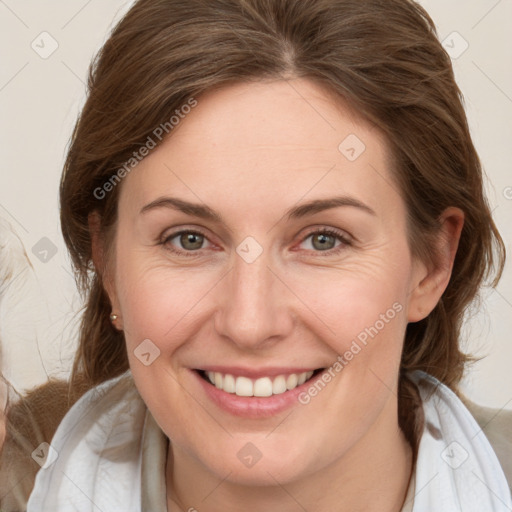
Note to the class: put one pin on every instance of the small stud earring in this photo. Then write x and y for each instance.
(113, 317)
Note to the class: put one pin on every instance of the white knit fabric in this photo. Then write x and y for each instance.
(457, 469)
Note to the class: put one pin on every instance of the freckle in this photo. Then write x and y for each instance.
(434, 431)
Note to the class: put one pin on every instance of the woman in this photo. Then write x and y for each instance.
(273, 207)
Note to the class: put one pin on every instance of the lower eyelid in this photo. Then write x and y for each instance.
(343, 245)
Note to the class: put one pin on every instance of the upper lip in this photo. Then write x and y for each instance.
(255, 373)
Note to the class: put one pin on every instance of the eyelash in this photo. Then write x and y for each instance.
(345, 241)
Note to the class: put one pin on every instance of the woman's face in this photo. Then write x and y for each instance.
(266, 238)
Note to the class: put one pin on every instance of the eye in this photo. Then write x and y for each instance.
(324, 240)
(190, 241)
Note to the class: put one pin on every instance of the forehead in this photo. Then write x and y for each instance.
(281, 116)
(268, 141)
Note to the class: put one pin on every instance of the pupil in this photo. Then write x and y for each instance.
(322, 238)
(189, 238)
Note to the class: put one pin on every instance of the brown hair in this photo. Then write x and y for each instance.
(382, 58)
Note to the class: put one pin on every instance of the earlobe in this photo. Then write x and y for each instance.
(430, 283)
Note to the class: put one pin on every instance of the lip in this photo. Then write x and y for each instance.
(253, 407)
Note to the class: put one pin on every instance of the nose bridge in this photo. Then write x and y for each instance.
(252, 311)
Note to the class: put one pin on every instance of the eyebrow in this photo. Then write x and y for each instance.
(296, 212)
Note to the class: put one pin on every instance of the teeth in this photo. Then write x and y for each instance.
(279, 385)
(229, 384)
(243, 386)
(291, 381)
(264, 386)
(302, 378)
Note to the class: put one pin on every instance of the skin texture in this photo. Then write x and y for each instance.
(250, 152)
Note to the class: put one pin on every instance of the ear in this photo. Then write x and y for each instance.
(99, 258)
(429, 284)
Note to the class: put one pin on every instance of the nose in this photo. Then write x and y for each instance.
(254, 305)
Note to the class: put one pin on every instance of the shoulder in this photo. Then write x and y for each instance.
(103, 432)
(40, 419)
(497, 427)
(31, 420)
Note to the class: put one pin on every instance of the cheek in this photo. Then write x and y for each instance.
(159, 302)
(356, 301)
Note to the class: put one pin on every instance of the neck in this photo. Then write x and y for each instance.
(373, 476)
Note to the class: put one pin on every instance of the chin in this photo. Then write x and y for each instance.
(260, 462)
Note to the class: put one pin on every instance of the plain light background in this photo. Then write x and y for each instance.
(41, 96)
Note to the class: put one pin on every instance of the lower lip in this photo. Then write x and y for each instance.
(251, 406)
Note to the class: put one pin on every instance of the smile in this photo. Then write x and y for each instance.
(253, 393)
(261, 387)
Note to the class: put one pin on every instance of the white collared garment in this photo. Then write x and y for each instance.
(112, 457)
